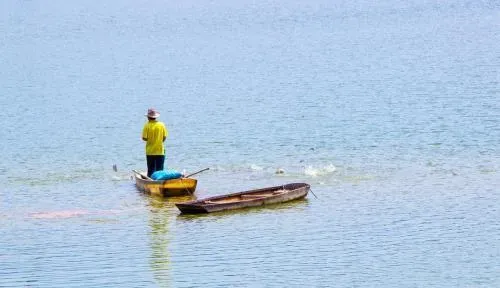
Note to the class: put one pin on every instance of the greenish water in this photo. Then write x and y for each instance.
(389, 110)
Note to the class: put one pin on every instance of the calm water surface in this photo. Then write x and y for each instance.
(390, 110)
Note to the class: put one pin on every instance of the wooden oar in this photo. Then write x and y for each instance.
(145, 176)
(196, 172)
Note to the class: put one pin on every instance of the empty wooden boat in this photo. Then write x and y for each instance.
(166, 188)
(251, 198)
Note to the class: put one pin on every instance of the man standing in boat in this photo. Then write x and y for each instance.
(154, 133)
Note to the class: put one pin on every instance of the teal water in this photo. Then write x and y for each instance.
(389, 110)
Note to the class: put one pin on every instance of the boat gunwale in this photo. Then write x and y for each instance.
(160, 182)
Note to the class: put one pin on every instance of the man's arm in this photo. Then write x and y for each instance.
(165, 133)
(144, 133)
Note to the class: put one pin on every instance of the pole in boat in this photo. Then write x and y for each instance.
(187, 176)
(142, 175)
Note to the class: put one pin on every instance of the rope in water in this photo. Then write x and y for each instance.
(313, 193)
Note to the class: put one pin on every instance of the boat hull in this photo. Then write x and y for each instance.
(165, 188)
(246, 199)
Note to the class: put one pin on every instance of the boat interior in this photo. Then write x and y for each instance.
(245, 197)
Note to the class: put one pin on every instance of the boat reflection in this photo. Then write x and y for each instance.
(160, 208)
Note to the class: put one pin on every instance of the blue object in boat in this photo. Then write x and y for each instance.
(166, 174)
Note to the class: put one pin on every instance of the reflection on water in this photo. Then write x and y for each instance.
(160, 236)
(159, 239)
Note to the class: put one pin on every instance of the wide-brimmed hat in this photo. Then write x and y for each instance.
(152, 113)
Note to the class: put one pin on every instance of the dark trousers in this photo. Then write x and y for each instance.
(155, 163)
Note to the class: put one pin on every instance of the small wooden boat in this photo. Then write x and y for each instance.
(251, 198)
(167, 188)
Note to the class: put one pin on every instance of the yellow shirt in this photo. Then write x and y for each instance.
(154, 132)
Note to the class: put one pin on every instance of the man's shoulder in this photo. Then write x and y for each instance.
(154, 123)
(158, 124)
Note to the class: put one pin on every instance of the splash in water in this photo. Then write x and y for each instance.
(315, 172)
